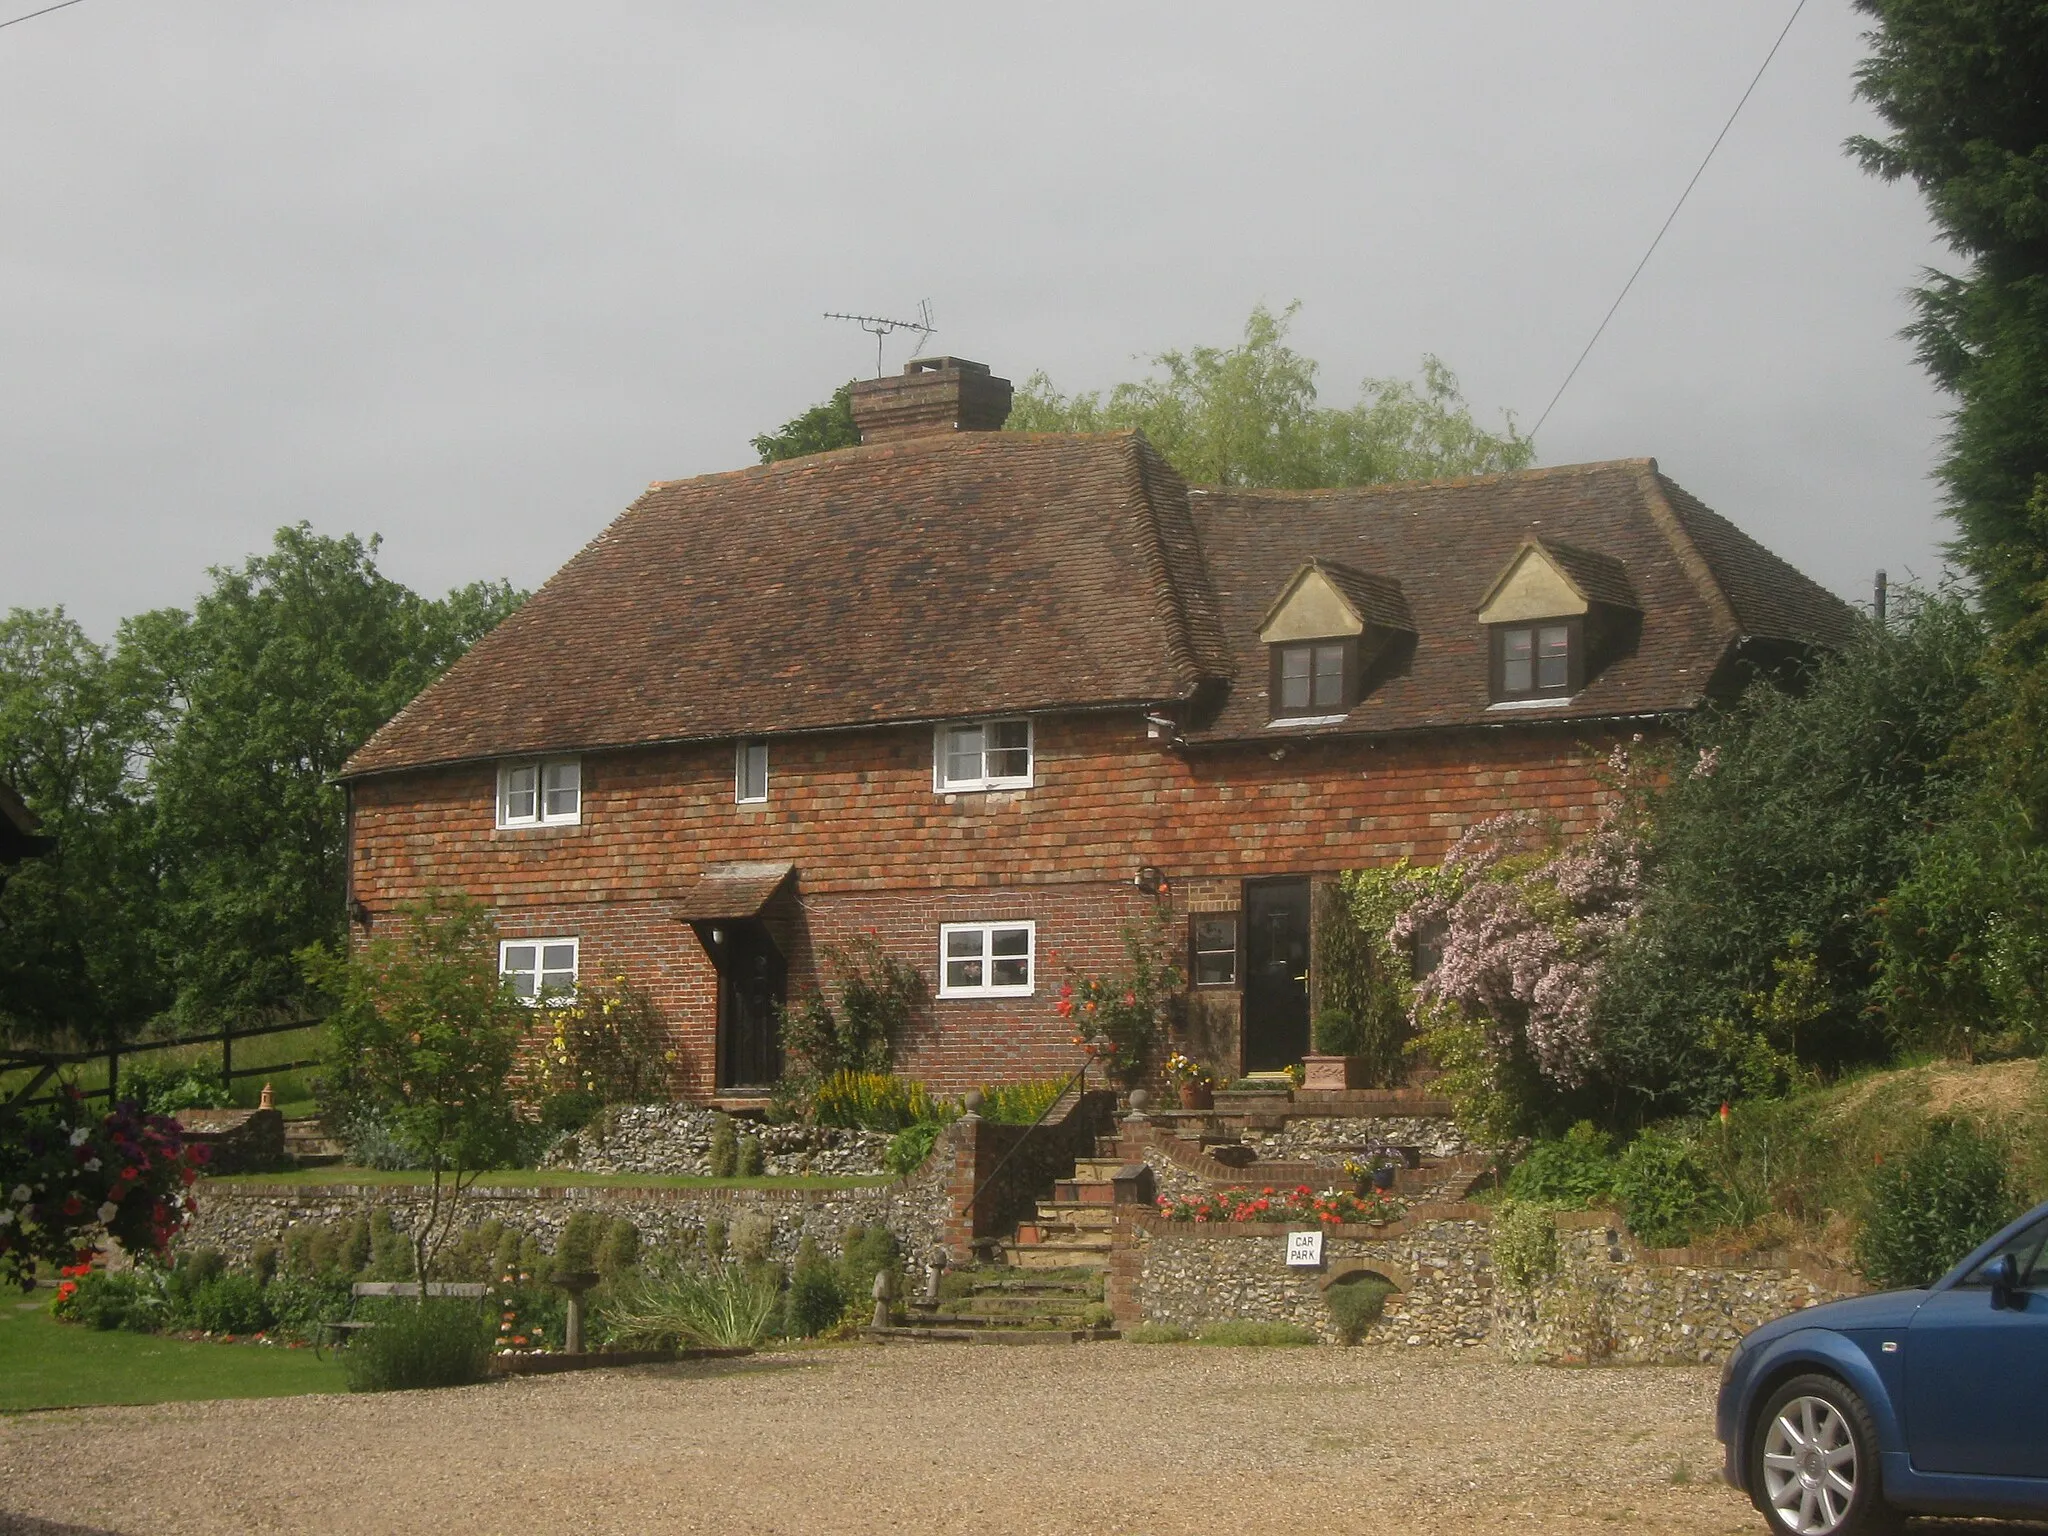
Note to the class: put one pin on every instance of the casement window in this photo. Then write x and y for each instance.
(547, 792)
(750, 772)
(986, 959)
(984, 754)
(1536, 661)
(538, 969)
(1314, 678)
(1212, 949)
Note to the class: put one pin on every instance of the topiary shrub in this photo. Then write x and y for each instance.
(1663, 1189)
(1925, 1210)
(817, 1299)
(1524, 1244)
(866, 1252)
(1355, 1304)
(724, 1155)
(582, 1234)
(1569, 1173)
(751, 1162)
(620, 1250)
(438, 1343)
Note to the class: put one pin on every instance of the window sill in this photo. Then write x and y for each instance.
(1558, 702)
(1286, 722)
(980, 993)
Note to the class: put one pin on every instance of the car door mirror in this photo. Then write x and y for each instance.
(2005, 1280)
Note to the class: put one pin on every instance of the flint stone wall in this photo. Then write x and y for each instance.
(676, 1139)
(1613, 1301)
(1192, 1273)
(1332, 1138)
(235, 1218)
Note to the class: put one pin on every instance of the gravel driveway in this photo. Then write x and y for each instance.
(936, 1438)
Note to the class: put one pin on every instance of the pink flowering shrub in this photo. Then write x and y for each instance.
(69, 1176)
(1525, 923)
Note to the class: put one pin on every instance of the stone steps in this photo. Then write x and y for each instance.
(307, 1143)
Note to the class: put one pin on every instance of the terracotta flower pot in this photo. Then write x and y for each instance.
(1197, 1096)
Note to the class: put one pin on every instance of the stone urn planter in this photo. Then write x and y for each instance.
(1197, 1096)
(1332, 1074)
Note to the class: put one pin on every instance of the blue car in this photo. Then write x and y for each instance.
(1838, 1419)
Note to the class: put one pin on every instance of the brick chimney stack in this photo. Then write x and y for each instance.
(932, 396)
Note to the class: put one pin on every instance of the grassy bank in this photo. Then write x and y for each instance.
(48, 1364)
(293, 1090)
(547, 1178)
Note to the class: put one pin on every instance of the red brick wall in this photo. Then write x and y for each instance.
(877, 848)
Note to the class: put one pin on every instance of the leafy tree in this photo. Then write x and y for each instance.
(1247, 415)
(78, 950)
(1788, 818)
(819, 430)
(423, 1034)
(256, 698)
(1959, 83)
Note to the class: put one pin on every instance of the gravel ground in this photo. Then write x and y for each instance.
(938, 1438)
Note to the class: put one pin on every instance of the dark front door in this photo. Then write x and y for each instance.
(751, 986)
(1275, 973)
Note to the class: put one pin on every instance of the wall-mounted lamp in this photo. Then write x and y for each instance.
(359, 914)
(1151, 880)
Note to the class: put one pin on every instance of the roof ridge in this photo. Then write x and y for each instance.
(902, 447)
(1448, 482)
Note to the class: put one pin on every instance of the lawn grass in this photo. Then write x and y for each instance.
(551, 1178)
(48, 1364)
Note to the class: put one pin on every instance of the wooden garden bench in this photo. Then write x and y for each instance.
(340, 1330)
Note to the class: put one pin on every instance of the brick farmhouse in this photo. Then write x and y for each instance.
(983, 693)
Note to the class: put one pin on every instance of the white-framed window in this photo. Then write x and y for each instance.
(538, 969)
(982, 754)
(750, 772)
(543, 792)
(986, 959)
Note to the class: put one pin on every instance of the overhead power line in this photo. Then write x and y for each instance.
(32, 15)
(1567, 384)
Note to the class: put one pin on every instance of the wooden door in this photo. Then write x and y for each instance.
(752, 983)
(1275, 973)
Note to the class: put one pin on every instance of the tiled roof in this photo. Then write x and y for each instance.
(983, 572)
(1375, 599)
(1602, 578)
(731, 891)
(964, 574)
(1447, 541)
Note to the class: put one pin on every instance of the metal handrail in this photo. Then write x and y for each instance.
(1079, 1079)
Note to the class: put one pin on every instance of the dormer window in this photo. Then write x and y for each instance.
(1329, 625)
(1533, 661)
(1312, 679)
(1554, 616)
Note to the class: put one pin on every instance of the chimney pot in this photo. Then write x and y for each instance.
(933, 396)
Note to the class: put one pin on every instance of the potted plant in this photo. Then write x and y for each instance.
(1338, 1061)
(1195, 1082)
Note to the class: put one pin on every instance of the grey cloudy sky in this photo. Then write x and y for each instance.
(471, 275)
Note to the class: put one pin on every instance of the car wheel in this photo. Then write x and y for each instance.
(1813, 1461)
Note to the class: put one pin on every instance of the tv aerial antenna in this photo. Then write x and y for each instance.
(878, 327)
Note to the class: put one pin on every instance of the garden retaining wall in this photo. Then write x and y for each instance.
(1611, 1300)
(234, 1218)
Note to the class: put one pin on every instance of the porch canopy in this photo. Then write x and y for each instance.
(727, 892)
